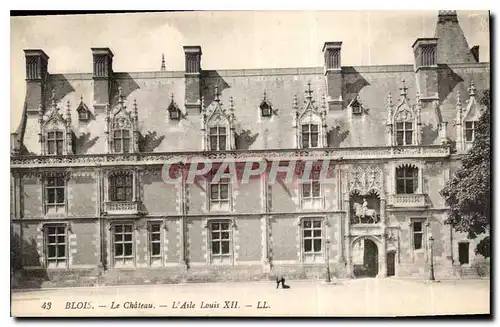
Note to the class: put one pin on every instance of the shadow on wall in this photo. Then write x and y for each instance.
(245, 139)
(337, 134)
(358, 82)
(61, 87)
(128, 85)
(150, 141)
(29, 257)
(447, 80)
(210, 79)
(83, 143)
(429, 134)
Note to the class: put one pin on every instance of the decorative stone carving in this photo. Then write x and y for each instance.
(365, 179)
(51, 125)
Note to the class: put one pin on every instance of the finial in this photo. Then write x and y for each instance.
(309, 91)
(265, 96)
(217, 94)
(81, 98)
(172, 98)
(389, 98)
(162, 62)
(53, 97)
(472, 89)
(403, 88)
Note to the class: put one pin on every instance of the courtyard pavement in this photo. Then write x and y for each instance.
(360, 297)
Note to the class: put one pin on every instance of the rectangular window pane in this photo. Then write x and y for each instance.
(469, 135)
(213, 143)
(400, 186)
(225, 235)
(61, 251)
(305, 140)
(118, 229)
(308, 245)
(155, 236)
(222, 143)
(117, 134)
(119, 249)
(215, 248)
(215, 226)
(317, 245)
(408, 138)
(399, 126)
(307, 224)
(463, 253)
(214, 192)
(215, 235)
(51, 196)
(408, 126)
(60, 195)
(225, 247)
(317, 224)
(314, 128)
(155, 249)
(117, 147)
(317, 233)
(224, 190)
(409, 187)
(417, 226)
(128, 237)
(126, 146)
(128, 228)
(52, 251)
(51, 147)
(314, 140)
(307, 233)
(305, 128)
(224, 226)
(399, 138)
(468, 125)
(213, 130)
(316, 189)
(417, 239)
(128, 249)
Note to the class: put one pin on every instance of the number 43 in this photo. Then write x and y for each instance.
(46, 305)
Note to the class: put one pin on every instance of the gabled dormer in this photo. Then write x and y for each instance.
(355, 106)
(122, 131)
(83, 111)
(218, 125)
(403, 122)
(266, 107)
(467, 118)
(55, 133)
(310, 122)
(174, 112)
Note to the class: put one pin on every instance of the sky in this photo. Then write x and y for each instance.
(229, 40)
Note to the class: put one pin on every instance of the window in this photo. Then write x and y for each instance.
(55, 240)
(219, 196)
(83, 114)
(406, 180)
(218, 138)
(356, 108)
(404, 133)
(55, 191)
(123, 246)
(418, 235)
(470, 130)
(463, 253)
(121, 141)
(220, 241)
(174, 114)
(55, 142)
(310, 136)
(265, 109)
(312, 239)
(311, 195)
(121, 187)
(155, 244)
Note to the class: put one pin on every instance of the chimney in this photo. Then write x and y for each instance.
(192, 79)
(452, 44)
(475, 52)
(102, 59)
(333, 73)
(426, 74)
(37, 63)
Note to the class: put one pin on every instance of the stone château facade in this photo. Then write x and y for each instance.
(89, 201)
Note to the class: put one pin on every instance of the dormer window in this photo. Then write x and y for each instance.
(121, 141)
(122, 127)
(404, 133)
(470, 130)
(355, 106)
(266, 107)
(218, 138)
(310, 136)
(174, 113)
(82, 110)
(55, 143)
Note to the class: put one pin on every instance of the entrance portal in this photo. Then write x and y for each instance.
(365, 258)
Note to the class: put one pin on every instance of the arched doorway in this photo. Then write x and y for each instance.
(365, 258)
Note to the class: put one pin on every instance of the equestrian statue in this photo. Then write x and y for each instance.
(362, 211)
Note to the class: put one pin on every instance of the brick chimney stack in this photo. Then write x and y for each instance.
(333, 74)
(426, 74)
(193, 79)
(102, 59)
(37, 63)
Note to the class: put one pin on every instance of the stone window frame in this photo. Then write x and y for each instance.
(54, 122)
(473, 129)
(107, 178)
(310, 134)
(46, 245)
(218, 135)
(405, 131)
(323, 228)
(230, 256)
(56, 140)
(45, 186)
(132, 258)
(315, 202)
(416, 179)
(211, 201)
(120, 140)
(160, 258)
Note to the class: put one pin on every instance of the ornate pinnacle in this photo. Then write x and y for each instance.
(231, 105)
(162, 62)
(389, 99)
(309, 91)
(403, 88)
(53, 97)
(295, 102)
(135, 108)
(40, 112)
(217, 94)
(459, 103)
(323, 98)
(120, 96)
(472, 89)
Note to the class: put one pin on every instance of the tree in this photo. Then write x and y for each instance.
(468, 193)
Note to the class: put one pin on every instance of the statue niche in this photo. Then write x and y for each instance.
(365, 209)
